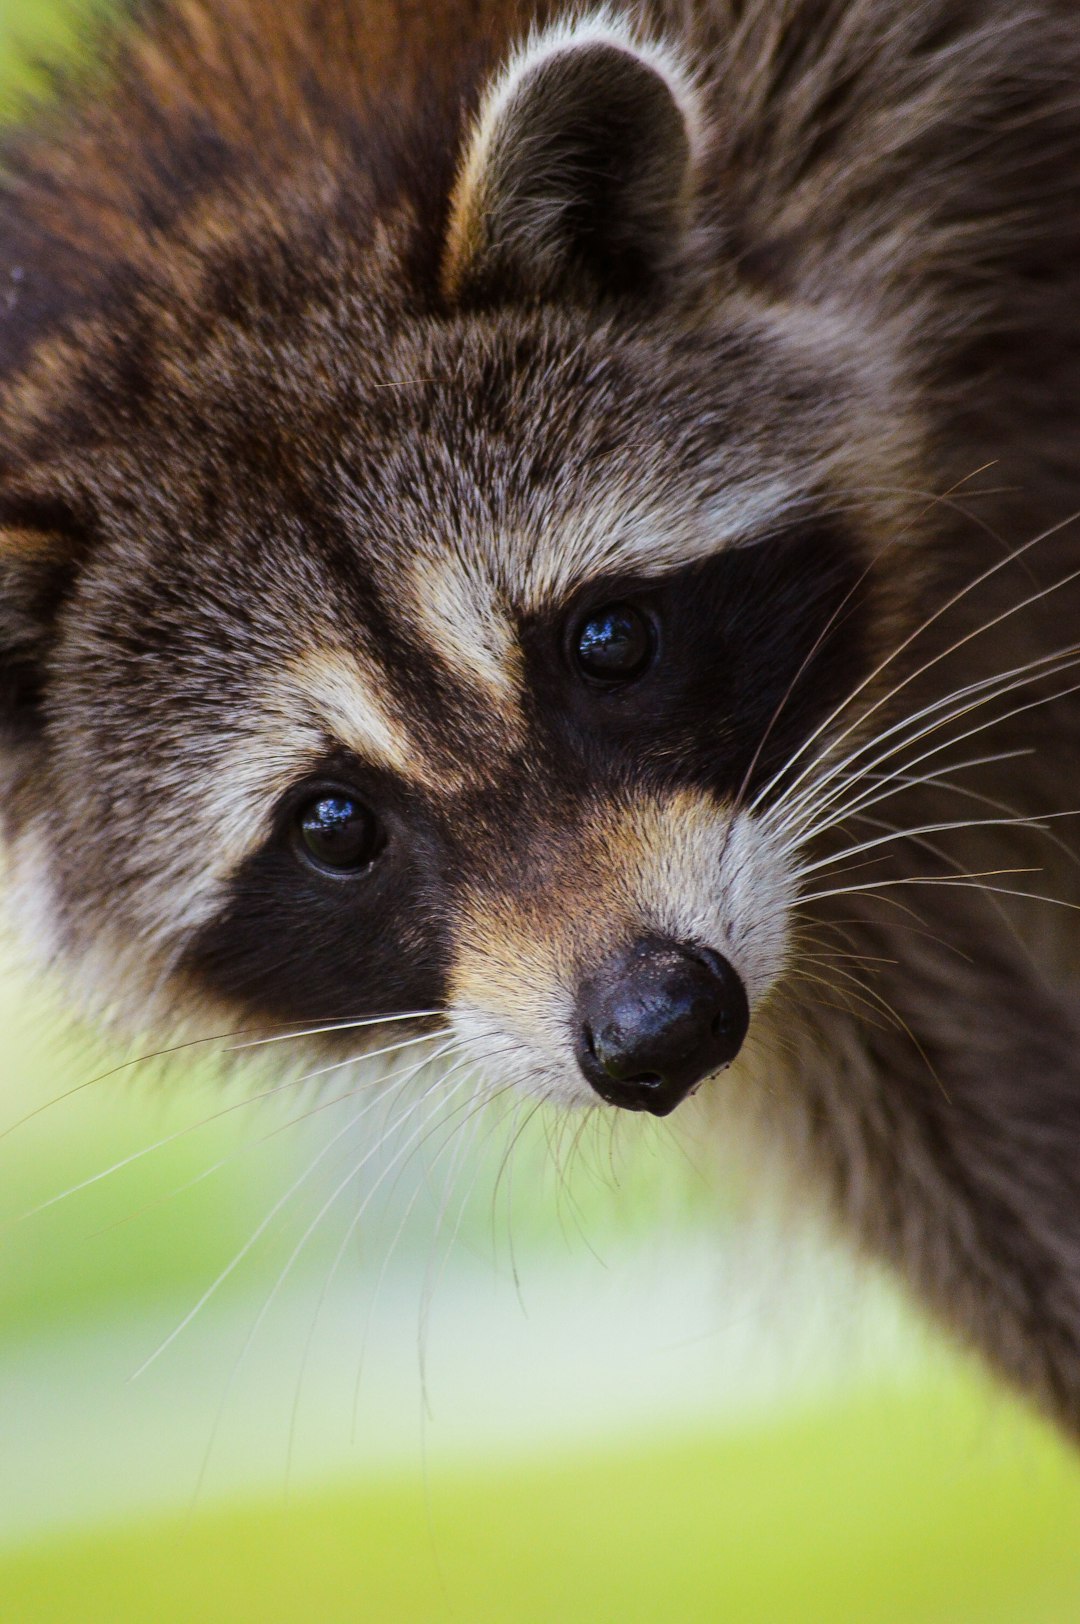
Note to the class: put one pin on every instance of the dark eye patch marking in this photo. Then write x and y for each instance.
(758, 645)
(749, 652)
(299, 945)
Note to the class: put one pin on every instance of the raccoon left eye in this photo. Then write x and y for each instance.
(615, 644)
(335, 831)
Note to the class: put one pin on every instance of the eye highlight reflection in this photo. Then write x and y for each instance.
(337, 832)
(614, 644)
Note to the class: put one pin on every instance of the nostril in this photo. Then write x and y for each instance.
(609, 1063)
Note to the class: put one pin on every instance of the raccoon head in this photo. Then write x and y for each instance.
(387, 635)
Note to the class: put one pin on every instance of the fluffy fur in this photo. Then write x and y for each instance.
(351, 350)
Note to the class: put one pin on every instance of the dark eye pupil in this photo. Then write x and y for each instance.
(338, 832)
(614, 644)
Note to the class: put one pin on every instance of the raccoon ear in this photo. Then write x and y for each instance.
(578, 173)
(39, 549)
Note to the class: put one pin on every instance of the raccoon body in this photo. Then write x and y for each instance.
(558, 528)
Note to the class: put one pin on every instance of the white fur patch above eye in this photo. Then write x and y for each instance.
(334, 687)
(622, 532)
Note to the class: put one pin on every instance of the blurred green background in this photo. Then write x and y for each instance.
(521, 1384)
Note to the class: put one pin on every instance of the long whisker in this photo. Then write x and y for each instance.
(992, 902)
(388, 1254)
(195, 1043)
(894, 835)
(215, 1116)
(337, 1026)
(820, 640)
(294, 1255)
(969, 882)
(370, 1054)
(887, 786)
(377, 1082)
(966, 792)
(912, 925)
(785, 698)
(974, 695)
(870, 797)
(872, 788)
(505, 1170)
(847, 998)
(465, 1132)
(957, 597)
(484, 1095)
(816, 801)
(480, 1059)
(257, 1234)
(899, 1023)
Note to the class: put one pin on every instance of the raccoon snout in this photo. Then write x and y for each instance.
(656, 1020)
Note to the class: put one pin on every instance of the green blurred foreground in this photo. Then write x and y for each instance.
(875, 1511)
(641, 1441)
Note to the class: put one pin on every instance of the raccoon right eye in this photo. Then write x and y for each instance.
(614, 644)
(337, 833)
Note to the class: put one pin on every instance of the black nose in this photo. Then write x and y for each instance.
(658, 1019)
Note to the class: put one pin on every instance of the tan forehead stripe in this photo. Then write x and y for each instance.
(459, 615)
(340, 691)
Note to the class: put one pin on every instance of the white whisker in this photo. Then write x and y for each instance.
(215, 1116)
(354, 1171)
(970, 882)
(894, 835)
(824, 726)
(257, 1234)
(882, 787)
(982, 692)
(337, 1026)
(377, 1082)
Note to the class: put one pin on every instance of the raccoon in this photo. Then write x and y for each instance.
(557, 529)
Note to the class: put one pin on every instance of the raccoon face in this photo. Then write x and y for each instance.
(376, 655)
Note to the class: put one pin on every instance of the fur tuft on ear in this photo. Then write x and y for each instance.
(578, 173)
